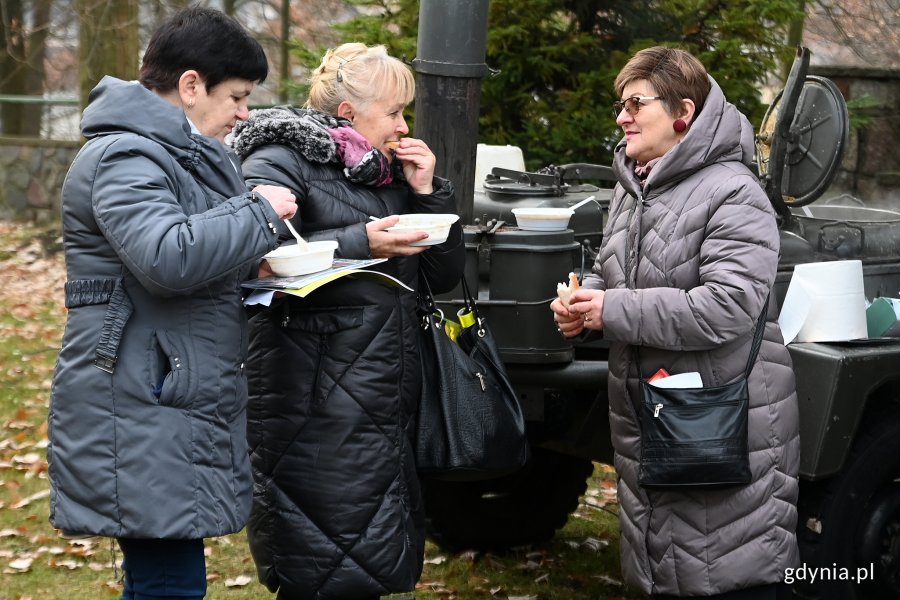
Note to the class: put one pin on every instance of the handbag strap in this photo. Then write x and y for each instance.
(631, 260)
(425, 299)
(754, 349)
(428, 306)
(470, 305)
(758, 335)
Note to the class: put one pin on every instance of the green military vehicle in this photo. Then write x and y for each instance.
(849, 392)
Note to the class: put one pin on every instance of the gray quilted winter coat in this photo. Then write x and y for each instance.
(708, 252)
(148, 408)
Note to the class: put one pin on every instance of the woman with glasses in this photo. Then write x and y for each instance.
(688, 260)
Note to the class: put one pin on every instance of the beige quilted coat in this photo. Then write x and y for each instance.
(707, 259)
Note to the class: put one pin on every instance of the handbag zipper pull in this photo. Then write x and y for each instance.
(656, 409)
(480, 377)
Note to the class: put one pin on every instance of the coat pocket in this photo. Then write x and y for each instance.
(172, 371)
(329, 338)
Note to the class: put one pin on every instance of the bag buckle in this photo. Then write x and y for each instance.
(105, 363)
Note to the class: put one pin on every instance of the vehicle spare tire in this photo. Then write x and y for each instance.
(523, 508)
(849, 526)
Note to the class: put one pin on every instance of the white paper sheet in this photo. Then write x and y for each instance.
(794, 311)
(679, 380)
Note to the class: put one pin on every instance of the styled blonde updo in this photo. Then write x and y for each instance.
(361, 74)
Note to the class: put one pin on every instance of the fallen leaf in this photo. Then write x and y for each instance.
(65, 564)
(607, 580)
(28, 500)
(595, 544)
(469, 555)
(17, 532)
(21, 565)
(239, 581)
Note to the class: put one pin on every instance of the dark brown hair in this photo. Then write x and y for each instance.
(206, 40)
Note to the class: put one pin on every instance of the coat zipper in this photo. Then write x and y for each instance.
(632, 253)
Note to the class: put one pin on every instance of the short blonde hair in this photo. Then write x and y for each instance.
(361, 74)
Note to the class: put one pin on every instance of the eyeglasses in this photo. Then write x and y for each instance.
(631, 105)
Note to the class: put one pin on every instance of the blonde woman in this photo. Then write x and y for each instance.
(335, 377)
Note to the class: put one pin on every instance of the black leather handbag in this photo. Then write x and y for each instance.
(697, 437)
(470, 425)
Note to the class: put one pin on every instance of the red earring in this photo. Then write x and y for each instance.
(679, 125)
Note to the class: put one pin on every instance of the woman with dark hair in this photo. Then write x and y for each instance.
(148, 406)
(685, 269)
(335, 377)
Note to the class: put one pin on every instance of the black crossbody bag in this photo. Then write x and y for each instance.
(697, 437)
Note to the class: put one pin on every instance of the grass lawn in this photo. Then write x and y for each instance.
(581, 563)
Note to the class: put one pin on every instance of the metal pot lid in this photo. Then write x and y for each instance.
(815, 141)
(521, 183)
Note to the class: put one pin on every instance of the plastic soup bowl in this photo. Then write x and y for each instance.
(290, 260)
(542, 219)
(437, 226)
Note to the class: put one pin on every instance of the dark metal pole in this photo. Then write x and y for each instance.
(449, 65)
(285, 67)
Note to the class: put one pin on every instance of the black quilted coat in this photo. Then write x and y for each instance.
(334, 382)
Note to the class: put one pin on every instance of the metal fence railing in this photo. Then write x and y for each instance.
(60, 115)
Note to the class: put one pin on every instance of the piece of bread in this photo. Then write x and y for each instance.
(564, 290)
(393, 145)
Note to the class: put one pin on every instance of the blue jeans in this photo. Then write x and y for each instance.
(163, 569)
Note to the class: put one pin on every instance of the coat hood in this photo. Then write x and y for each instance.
(712, 138)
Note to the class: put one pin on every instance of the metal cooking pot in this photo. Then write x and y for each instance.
(850, 231)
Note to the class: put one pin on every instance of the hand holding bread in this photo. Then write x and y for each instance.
(573, 313)
(565, 290)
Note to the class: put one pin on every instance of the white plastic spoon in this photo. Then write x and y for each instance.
(580, 204)
(301, 243)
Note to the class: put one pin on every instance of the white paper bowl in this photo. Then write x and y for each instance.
(437, 226)
(290, 261)
(542, 219)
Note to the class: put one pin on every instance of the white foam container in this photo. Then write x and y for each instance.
(543, 219)
(436, 225)
(290, 261)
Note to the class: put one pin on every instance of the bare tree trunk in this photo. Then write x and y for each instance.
(37, 47)
(13, 68)
(228, 7)
(107, 42)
